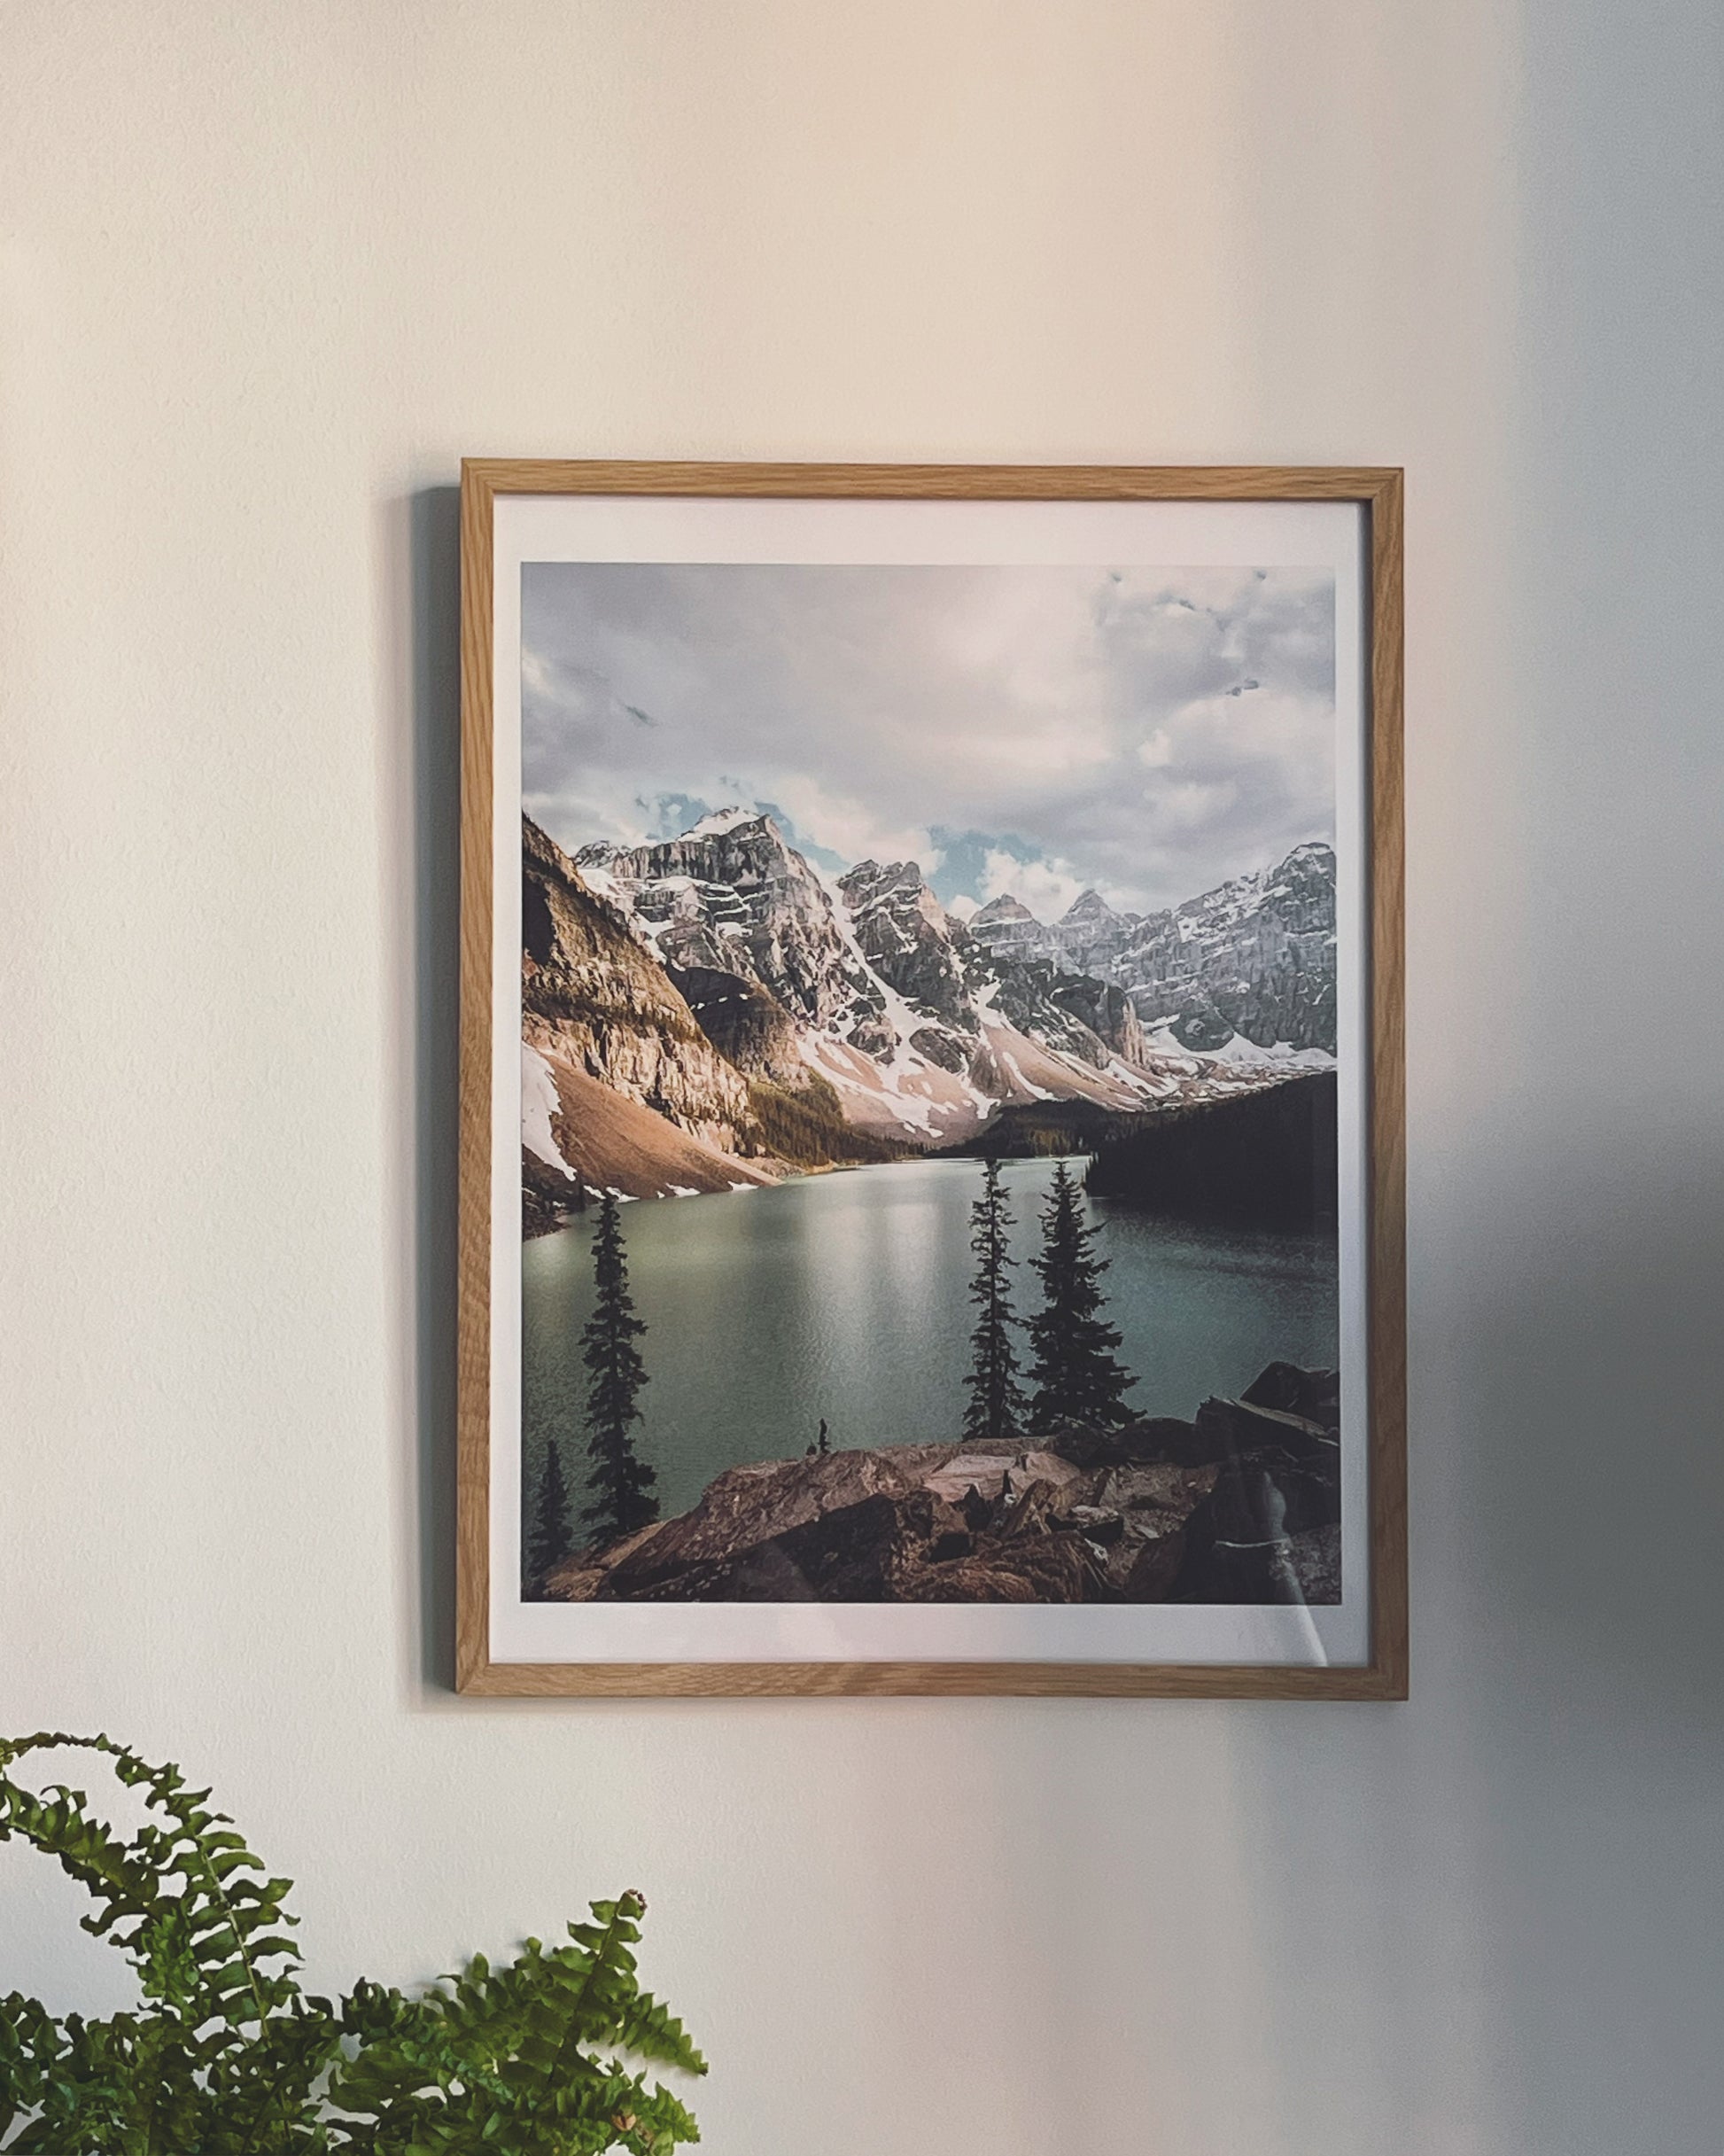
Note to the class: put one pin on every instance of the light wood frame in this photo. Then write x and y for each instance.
(1378, 492)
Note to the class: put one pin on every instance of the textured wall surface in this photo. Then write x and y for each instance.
(267, 274)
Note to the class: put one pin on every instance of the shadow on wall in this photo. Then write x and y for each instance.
(433, 517)
(1530, 1846)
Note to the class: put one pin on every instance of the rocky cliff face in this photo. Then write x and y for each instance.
(1007, 928)
(960, 981)
(594, 997)
(908, 940)
(732, 896)
(1252, 960)
(920, 1027)
(749, 1027)
(1090, 935)
(1103, 1010)
(621, 1088)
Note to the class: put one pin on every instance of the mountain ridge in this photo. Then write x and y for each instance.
(1253, 957)
(716, 981)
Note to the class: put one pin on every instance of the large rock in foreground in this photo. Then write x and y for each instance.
(1241, 1505)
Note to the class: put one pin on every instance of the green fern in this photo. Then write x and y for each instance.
(230, 2058)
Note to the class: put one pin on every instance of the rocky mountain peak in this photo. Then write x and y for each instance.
(1089, 912)
(1253, 959)
(732, 895)
(719, 820)
(1090, 935)
(1004, 908)
(903, 931)
(1006, 927)
(596, 1006)
(1308, 871)
(898, 886)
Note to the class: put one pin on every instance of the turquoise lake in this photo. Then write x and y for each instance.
(846, 1296)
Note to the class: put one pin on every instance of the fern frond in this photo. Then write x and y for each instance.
(232, 2059)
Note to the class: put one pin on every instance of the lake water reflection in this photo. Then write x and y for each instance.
(846, 1296)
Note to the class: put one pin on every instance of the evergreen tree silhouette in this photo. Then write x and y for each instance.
(553, 1536)
(995, 1407)
(622, 1484)
(1074, 1371)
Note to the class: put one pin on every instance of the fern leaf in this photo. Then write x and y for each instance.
(232, 2059)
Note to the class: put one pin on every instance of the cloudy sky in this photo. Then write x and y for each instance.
(1149, 732)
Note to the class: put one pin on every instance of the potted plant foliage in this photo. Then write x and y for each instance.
(227, 2056)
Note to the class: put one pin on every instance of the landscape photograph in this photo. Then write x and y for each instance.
(928, 1084)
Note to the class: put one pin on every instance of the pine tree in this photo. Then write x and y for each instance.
(553, 1536)
(996, 1408)
(621, 1483)
(1074, 1371)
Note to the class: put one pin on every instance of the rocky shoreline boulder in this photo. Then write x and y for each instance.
(1240, 1505)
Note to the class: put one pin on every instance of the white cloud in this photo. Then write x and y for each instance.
(1104, 720)
(846, 827)
(1046, 887)
(1190, 804)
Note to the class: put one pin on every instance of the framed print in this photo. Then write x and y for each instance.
(931, 1210)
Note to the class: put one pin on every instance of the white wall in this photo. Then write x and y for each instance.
(268, 272)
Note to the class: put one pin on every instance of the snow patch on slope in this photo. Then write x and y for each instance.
(721, 820)
(1246, 1054)
(539, 1104)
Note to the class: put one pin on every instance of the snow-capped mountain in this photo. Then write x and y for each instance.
(904, 933)
(716, 984)
(1091, 935)
(620, 1083)
(1251, 962)
(1007, 927)
(732, 897)
(920, 1030)
(964, 986)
